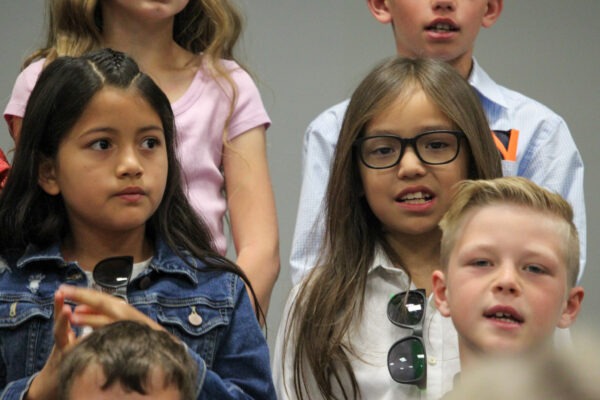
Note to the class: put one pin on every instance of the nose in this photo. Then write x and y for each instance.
(507, 280)
(410, 166)
(443, 5)
(129, 164)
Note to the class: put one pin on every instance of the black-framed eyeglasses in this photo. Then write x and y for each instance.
(432, 147)
(407, 359)
(112, 275)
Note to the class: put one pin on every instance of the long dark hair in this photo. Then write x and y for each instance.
(332, 296)
(28, 215)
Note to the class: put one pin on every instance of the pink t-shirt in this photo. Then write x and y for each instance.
(200, 116)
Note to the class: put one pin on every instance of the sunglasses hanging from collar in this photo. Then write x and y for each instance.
(112, 275)
(407, 360)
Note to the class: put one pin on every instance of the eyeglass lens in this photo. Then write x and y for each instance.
(113, 272)
(406, 309)
(431, 148)
(406, 360)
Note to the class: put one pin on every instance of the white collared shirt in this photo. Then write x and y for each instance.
(372, 338)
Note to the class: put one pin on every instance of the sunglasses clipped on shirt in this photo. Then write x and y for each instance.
(112, 275)
(407, 360)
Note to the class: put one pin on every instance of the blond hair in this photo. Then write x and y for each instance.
(515, 190)
(210, 27)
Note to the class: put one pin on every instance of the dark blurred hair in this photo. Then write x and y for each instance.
(128, 353)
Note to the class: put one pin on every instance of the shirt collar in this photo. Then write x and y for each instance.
(381, 262)
(485, 86)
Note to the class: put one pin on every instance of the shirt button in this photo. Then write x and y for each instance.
(431, 360)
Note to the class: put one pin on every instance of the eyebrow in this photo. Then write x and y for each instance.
(108, 129)
(418, 131)
(151, 128)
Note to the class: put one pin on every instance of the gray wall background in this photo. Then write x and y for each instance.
(309, 55)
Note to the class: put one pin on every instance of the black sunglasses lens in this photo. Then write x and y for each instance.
(406, 360)
(113, 272)
(406, 309)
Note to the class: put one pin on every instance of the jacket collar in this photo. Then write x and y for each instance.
(163, 261)
(166, 261)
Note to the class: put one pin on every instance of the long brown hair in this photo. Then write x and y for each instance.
(332, 296)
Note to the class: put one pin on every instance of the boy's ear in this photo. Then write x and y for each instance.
(380, 10)
(47, 177)
(440, 293)
(492, 13)
(572, 307)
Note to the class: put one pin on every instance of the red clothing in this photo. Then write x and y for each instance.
(4, 168)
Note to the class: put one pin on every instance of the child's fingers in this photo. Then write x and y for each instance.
(62, 328)
(97, 309)
(59, 303)
(92, 301)
(84, 309)
(93, 320)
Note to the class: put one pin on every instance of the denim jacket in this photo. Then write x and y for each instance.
(208, 310)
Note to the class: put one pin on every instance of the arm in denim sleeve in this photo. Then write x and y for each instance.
(16, 390)
(320, 141)
(553, 161)
(241, 369)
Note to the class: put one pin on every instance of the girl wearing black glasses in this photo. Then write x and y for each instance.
(357, 327)
(95, 176)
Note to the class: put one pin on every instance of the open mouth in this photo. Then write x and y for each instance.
(505, 317)
(415, 198)
(442, 27)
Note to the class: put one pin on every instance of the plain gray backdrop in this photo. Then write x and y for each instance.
(308, 55)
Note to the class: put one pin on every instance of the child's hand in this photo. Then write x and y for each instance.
(45, 385)
(97, 309)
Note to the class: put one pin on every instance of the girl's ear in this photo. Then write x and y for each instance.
(440, 293)
(380, 10)
(47, 177)
(492, 13)
(572, 307)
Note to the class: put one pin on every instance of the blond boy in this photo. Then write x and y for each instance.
(510, 254)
